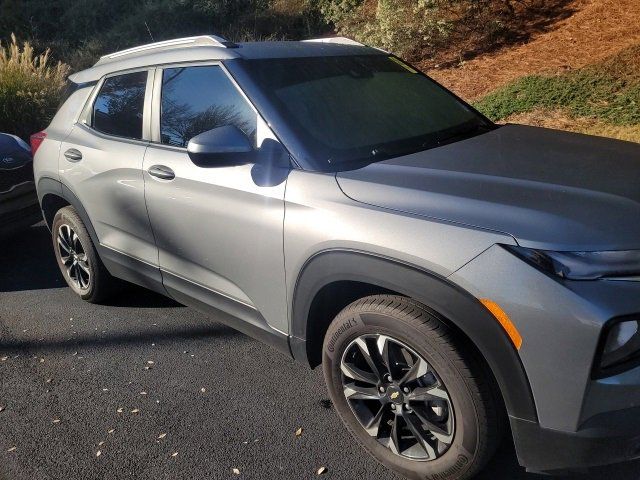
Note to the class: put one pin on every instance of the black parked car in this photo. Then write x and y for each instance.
(18, 200)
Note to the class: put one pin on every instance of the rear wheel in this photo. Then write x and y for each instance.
(408, 390)
(77, 258)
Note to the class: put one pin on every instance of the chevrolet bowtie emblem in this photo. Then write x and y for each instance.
(395, 395)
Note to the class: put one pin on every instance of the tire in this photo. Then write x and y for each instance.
(465, 415)
(87, 276)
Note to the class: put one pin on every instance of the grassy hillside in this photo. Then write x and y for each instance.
(603, 98)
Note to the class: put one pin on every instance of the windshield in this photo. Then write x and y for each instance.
(352, 110)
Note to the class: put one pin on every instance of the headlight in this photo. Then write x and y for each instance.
(583, 265)
(620, 347)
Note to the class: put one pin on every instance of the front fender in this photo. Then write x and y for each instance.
(448, 300)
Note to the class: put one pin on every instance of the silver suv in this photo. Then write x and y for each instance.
(456, 279)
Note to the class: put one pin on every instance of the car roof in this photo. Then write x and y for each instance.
(203, 48)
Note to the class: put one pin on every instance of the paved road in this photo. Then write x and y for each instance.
(72, 367)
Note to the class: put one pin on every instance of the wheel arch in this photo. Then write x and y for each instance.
(54, 195)
(335, 278)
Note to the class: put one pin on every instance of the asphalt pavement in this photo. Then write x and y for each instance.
(145, 388)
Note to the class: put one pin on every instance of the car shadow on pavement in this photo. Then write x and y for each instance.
(27, 261)
(119, 339)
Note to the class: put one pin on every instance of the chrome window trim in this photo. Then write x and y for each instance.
(85, 117)
(157, 98)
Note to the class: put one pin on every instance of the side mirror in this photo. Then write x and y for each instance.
(226, 145)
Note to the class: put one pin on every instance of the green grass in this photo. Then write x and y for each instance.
(609, 92)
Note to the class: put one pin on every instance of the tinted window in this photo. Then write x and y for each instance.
(119, 105)
(357, 109)
(197, 99)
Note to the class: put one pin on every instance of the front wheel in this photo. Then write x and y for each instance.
(409, 391)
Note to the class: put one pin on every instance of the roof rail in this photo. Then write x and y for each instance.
(339, 40)
(210, 40)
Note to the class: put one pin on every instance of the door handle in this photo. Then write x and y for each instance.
(73, 155)
(160, 171)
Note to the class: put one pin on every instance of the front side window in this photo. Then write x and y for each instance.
(119, 106)
(198, 99)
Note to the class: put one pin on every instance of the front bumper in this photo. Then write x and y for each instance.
(582, 421)
(608, 438)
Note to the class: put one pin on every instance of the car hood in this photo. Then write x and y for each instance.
(547, 189)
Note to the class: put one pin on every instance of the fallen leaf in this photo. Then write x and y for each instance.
(174, 454)
(135, 410)
(147, 367)
(150, 362)
(12, 449)
(111, 431)
(120, 410)
(4, 359)
(105, 389)
(55, 420)
(48, 380)
(203, 389)
(2, 407)
(321, 471)
(98, 453)
(101, 443)
(299, 432)
(42, 360)
(143, 393)
(161, 436)
(236, 471)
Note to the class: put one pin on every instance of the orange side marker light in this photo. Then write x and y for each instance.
(504, 320)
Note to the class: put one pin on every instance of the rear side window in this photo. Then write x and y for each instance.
(119, 106)
(197, 99)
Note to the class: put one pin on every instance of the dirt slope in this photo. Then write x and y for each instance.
(598, 29)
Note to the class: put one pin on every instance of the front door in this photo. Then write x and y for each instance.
(218, 233)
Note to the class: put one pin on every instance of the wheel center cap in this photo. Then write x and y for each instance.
(395, 394)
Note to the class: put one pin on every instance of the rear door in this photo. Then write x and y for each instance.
(101, 163)
(219, 234)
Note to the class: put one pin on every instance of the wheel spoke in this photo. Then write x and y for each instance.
(63, 244)
(423, 394)
(355, 392)
(439, 432)
(356, 373)
(84, 266)
(416, 429)
(419, 369)
(373, 427)
(375, 366)
(394, 437)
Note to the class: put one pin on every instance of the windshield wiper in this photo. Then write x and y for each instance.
(462, 133)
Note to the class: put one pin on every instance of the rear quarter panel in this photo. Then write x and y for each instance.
(45, 162)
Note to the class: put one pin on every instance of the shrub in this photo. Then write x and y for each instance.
(446, 29)
(30, 89)
(609, 91)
